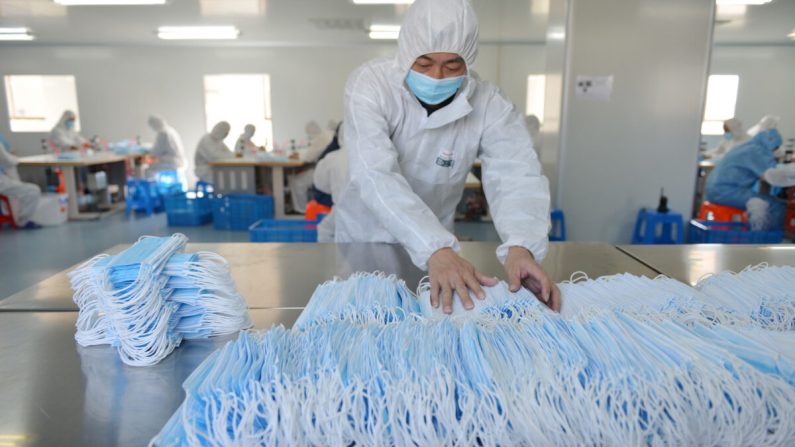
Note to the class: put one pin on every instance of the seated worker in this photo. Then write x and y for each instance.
(64, 135)
(167, 148)
(211, 147)
(244, 144)
(414, 125)
(733, 134)
(24, 197)
(301, 183)
(732, 181)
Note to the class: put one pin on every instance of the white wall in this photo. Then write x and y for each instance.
(617, 155)
(118, 87)
(766, 82)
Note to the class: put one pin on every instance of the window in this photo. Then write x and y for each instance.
(240, 99)
(721, 102)
(36, 103)
(536, 85)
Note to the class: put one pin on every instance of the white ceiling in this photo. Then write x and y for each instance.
(261, 22)
(325, 22)
(768, 23)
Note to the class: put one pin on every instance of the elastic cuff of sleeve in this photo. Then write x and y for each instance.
(538, 249)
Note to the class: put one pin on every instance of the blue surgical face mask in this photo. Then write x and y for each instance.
(727, 136)
(70, 124)
(430, 90)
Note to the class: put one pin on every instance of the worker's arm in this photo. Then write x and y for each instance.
(518, 197)
(7, 160)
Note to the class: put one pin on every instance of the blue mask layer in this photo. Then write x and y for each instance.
(431, 90)
(727, 136)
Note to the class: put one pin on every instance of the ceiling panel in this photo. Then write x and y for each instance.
(332, 22)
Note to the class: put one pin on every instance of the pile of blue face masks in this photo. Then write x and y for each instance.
(147, 299)
(629, 361)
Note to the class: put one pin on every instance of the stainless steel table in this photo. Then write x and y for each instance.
(56, 393)
(688, 263)
(285, 275)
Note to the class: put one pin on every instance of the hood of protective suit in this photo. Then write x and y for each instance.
(735, 126)
(220, 130)
(438, 26)
(66, 116)
(533, 124)
(313, 130)
(769, 139)
(248, 131)
(767, 122)
(156, 123)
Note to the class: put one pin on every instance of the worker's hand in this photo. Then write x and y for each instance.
(450, 273)
(523, 270)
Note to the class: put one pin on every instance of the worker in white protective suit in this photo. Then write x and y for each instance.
(331, 177)
(733, 134)
(167, 148)
(64, 135)
(414, 125)
(301, 183)
(211, 147)
(24, 197)
(244, 144)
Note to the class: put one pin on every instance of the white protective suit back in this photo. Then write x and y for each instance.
(66, 138)
(407, 169)
(211, 147)
(168, 145)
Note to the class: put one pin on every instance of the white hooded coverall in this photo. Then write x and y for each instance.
(167, 147)
(66, 138)
(211, 147)
(300, 183)
(735, 126)
(407, 169)
(24, 197)
(244, 144)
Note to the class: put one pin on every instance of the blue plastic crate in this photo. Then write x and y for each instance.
(239, 211)
(142, 195)
(714, 232)
(188, 209)
(269, 230)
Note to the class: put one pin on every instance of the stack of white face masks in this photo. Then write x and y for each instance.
(147, 299)
(629, 361)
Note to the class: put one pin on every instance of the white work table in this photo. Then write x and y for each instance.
(117, 164)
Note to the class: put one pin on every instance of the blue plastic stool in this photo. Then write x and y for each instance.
(558, 230)
(648, 222)
(142, 195)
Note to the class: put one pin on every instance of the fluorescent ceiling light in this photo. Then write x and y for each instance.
(198, 32)
(742, 2)
(791, 35)
(15, 34)
(383, 2)
(109, 2)
(384, 32)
